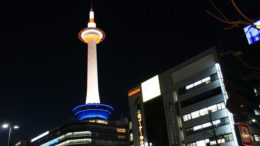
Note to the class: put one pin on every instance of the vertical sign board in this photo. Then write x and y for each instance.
(245, 134)
(140, 127)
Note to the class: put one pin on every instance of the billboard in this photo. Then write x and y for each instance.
(252, 32)
(245, 134)
(151, 88)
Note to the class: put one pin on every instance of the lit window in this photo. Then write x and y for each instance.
(204, 112)
(257, 137)
(195, 114)
(213, 108)
(205, 79)
(185, 118)
(130, 125)
(222, 105)
(200, 143)
(221, 141)
(197, 127)
(206, 125)
(131, 137)
(189, 86)
(213, 142)
(120, 136)
(120, 130)
(197, 83)
(216, 122)
(257, 112)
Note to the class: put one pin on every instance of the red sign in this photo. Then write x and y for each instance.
(245, 134)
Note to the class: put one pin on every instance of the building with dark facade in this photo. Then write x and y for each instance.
(194, 104)
(90, 133)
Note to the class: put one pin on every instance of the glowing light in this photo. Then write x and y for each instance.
(252, 33)
(88, 111)
(205, 80)
(91, 36)
(16, 126)
(120, 130)
(224, 92)
(134, 92)
(5, 125)
(40, 136)
(74, 142)
(140, 127)
(151, 88)
(91, 31)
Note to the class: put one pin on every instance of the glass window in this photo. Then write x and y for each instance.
(219, 106)
(204, 112)
(222, 105)
(197, 83)
(257, 112)
(213, 108)
(197, 127)
(195, 114)
(206, 125)
(213, 142)
(257, 137)
(185, 118)
(206, 140)
(200, 143)
(189, 86)
(216, 122)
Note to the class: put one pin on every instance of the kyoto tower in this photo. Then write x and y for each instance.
(93, 109)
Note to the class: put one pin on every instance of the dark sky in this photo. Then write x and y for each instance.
(43, 63)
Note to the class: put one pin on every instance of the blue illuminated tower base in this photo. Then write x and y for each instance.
(92, 111)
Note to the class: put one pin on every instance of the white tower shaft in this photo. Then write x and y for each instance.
(92, 73)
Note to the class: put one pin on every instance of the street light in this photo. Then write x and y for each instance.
(10, 126)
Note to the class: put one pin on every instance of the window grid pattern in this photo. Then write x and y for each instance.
(204, 111)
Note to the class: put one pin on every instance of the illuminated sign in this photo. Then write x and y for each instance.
(140, 127)
(245, 134)
(151, 88)
(134, 92)
(252, 32)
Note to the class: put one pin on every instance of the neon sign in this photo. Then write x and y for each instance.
(252, 32)
(140, 127)
(134, 92)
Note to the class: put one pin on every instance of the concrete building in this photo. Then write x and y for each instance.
(186, 105)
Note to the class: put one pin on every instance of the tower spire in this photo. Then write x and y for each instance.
(91, 22)
(91, 5)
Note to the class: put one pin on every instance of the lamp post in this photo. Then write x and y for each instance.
(10, 126)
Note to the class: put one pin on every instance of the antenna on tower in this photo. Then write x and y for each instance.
(91, 5)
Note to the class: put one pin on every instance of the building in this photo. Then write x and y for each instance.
(87, 133)
(186, 105)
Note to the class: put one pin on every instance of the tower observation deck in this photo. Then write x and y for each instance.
(93, 108)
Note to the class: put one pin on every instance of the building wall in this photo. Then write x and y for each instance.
(181, 100)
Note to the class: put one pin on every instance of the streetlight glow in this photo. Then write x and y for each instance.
(5, 125)
(16, 126)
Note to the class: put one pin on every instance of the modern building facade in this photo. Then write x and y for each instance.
(84, 133)
(186, 105)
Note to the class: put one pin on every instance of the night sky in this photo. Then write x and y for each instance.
(43, 63)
